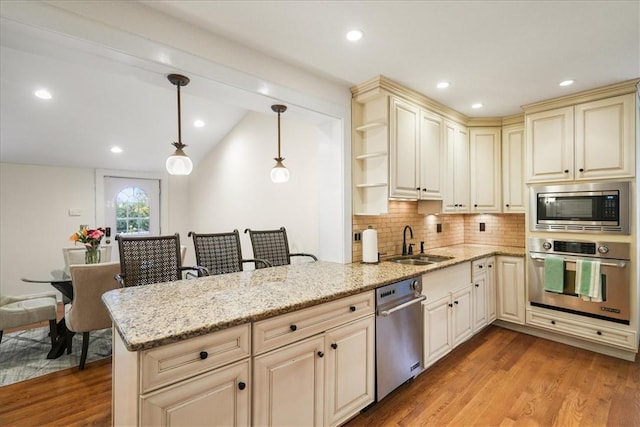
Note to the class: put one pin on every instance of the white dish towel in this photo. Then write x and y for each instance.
(588, 280)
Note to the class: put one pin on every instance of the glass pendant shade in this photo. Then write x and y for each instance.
(279, 173)
(179, 163)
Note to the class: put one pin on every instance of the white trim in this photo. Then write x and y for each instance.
(164, 192)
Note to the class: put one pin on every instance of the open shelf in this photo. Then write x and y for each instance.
(372, 185)
(372, 125)
(371, 155)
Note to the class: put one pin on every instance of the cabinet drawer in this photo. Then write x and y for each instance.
(174, 362)
(595, 333)
(478, 267)
(287, 328)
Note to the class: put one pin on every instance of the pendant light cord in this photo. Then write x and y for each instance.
(179, 118)
(279, 157)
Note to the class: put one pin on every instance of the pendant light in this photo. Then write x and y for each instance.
(179, 163)
(279, 173)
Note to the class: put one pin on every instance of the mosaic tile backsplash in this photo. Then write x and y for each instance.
(500, 229)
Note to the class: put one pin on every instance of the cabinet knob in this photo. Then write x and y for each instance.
(599, 333)
(581, 170)
(320, 354)
(418, 188)
(424, 189)
(334, 345)
(242, 385)
(475, 205)
(455, 302)
(490, 265)
(480, 266)
(204, 355)
(352, 308)
(450, 305)
(477, 286)
(507, 205)
(553, 322)
(293, 328)
(566, 171)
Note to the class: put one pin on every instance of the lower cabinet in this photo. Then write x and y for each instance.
(511, 290)
(218, 398)
(447, 323)
(492, 296)
(322, 380)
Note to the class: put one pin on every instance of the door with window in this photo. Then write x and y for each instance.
(132, 206)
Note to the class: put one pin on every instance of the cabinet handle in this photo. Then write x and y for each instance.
(455, 302)
(599, 333)
(242, 385)
(352, 308)
(553, 322)
(566, 171)
(507, 205)
(490, 265)
(334, 345)
(204, 355)
(418, 188)
(320, 354)
(480, 266)
(293, 328)
(424, 189)
(450, 305)
(581, 170)
(475, 205)
(477, 286)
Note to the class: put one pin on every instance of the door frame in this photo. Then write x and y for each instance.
(101, 174)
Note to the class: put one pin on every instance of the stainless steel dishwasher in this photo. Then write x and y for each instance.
(398, 334)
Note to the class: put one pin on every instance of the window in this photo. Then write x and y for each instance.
(133, 211)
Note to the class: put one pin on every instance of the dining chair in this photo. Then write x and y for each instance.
(272, 246)
(26, 309)
(221, 253)
(145, 260)
(86, 312)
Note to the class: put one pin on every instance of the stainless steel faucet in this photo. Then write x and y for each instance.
(404, 239)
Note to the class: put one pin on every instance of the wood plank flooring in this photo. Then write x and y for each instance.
(498, 378)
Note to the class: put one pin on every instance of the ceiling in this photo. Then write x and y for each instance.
(502, 54)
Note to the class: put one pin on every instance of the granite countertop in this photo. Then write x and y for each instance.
(162, 313)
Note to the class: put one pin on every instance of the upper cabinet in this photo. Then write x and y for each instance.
(484, 165)
(591, 140)
(431, 170)
(403, 144)
(456, 169)
(513, 187)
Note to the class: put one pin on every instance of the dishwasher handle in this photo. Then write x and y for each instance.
(386, 313)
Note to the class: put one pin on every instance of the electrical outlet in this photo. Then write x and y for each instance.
(357, 236)
(438, 228)
(482, 226)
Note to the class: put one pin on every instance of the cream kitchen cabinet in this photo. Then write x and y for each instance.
(484, 165)
(431, 172)
(200, 381)
(591, 140)
(480, 293)
(370, 152)
(315, 366)
(492, 295)
(403, 145)
(456, 169)
(511, 290)
(513, 167)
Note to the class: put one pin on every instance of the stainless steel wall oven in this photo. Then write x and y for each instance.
(615, 273)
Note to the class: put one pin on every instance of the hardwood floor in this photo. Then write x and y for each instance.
(498, 378)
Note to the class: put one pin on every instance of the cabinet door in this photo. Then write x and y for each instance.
(510, 285)
(289, 385)
(431, 156)
(456, 182)
(462, 312)
(492, 297)
(437, 329)
(604, 138)
(513, 187)
(350, 370)
(550, 145)
(217, 398)
(479, 301)
(484, 159)
(403, 145)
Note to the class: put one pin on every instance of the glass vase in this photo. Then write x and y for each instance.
(92, 256)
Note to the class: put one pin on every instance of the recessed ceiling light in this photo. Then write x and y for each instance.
(477, 105)
(43, 94)
(354, 35)
(566, 83)
(116, 150)
(443, 85)
(198, 123)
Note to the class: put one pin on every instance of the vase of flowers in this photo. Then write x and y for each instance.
(91, 239)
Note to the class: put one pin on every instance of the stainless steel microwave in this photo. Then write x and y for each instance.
(601, 207)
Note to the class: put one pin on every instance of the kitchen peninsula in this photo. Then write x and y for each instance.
(173, 337)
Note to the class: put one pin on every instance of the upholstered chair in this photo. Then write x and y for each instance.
(87, 312)
(26, 309)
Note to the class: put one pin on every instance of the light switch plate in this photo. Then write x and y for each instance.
(75, 212)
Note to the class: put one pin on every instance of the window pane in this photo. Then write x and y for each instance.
(133, 211)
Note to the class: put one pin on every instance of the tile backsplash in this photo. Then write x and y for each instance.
(500, 229)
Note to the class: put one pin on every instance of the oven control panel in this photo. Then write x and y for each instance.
(613, 250)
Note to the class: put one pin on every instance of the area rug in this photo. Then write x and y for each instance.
(23, 355)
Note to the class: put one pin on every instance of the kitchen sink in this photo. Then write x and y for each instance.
(420, 259)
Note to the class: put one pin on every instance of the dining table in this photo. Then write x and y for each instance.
(65, 286)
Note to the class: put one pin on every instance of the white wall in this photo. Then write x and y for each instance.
(35, 222)
(232, 189)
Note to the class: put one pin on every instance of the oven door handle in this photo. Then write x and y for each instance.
(620, 264)
(386, 313)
